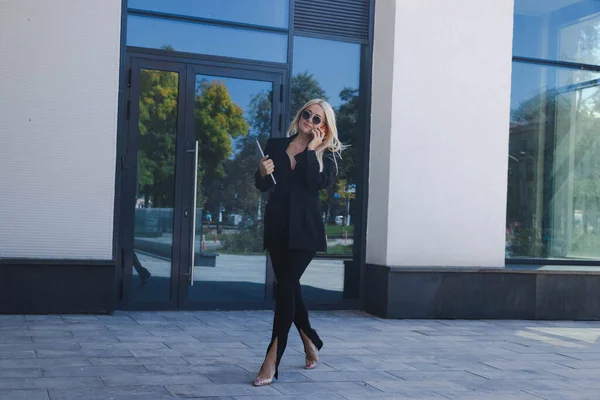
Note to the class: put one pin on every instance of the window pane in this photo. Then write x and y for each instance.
(323, 281)
(273, 13)
(554, 163)
(565, 30)
(155, 197)
(314, 79)
(229, 208)
(206, 39)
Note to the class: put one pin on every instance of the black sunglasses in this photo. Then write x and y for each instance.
(315, 118)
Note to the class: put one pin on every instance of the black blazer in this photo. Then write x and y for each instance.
(294, 200)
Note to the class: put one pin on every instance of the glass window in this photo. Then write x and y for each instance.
(155, 181)
(188, 37)
(338, 83)
(554, 163)
(323, 281)
(230, 209)
(564, 30)
(274, 13)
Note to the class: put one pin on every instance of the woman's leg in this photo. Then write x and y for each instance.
(310, 338)
(289, 267)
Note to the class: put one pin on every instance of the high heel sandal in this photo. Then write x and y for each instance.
(311, 364)
(262, 382)
(316, 346)
(267, 381)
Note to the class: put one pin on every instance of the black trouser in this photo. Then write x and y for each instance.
(289, 265)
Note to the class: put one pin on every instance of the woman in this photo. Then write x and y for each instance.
(303, 164)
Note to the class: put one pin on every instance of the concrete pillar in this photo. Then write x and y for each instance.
(439, 133)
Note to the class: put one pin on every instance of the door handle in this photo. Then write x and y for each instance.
(194, 208)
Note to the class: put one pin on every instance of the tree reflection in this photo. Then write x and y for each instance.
(554, 172)
(157, 137)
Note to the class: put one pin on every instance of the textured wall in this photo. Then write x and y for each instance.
(59, 69)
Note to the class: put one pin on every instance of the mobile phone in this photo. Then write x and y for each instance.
(262, 153)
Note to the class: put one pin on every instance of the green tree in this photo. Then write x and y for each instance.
(239, 194)
(157, 133)
(570, 153)
(305, 88)
(348, 129)
(218, 120)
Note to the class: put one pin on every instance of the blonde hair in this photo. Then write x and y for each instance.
(331, 142)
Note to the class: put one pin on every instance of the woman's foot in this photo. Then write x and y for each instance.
(268, 368)
(311, 351)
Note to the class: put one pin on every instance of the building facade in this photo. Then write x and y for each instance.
(129, 133)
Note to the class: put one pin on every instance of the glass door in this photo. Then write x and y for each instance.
(152, 184)
(228, 111)
(192, 224)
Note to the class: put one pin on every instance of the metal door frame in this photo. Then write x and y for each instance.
(231, 71)
(187, 67)
(128, 162)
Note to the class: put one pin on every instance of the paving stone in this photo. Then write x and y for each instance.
(20, 373)
(517, 374)
(148, 379)
(316, 388)
(332, 396)
(28, 333)
(512, 384)
(112, 393)
(138, 361)
(11, 318)
(122, 346)
(408, 395)
(50, 383)
(243, 389)
(426, 387)
(67, 327)
(39, 346)
(12, 354)
(24, 394)
(527, 365)
(112, 353)
(591, 355)
(439, 375)
(149, 339)
(199, 345)
(15, 339)
(317, 375)
(176, 353)
(50, 372)
(71, 339)
(40, 363)
(12, 326)
(499, 395)
(565, 394)
(577, 373)
(537, 357)
(44, 318)
(163, 355)
(193, 369)
(227, 377)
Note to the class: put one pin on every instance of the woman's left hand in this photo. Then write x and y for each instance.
(317, 140)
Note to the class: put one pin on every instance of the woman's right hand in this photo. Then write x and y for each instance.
(266, 166)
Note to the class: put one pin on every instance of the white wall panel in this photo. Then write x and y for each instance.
(59, 70)
(448, 147)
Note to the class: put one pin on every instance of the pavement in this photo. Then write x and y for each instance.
(215, 355)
